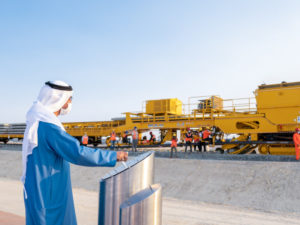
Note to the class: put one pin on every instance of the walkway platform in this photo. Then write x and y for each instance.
(11, 219)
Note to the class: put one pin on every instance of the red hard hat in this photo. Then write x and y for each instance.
(297, 129)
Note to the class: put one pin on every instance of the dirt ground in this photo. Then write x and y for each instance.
(194, 191)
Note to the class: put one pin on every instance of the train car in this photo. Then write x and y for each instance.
(10, 131)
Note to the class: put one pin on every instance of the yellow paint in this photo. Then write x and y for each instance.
(164, 106)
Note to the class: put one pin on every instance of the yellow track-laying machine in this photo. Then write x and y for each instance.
(265, 122)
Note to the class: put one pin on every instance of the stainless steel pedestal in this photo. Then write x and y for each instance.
(143, 208)
(122, 183)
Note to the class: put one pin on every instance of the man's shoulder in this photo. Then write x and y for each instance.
(49, 126)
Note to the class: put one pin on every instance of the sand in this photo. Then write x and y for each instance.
(194, 191)
(175, 212)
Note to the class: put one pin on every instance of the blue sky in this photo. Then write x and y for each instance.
(116, 54)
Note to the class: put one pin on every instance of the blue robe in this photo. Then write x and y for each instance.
(48, 185)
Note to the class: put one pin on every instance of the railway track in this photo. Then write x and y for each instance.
(165, 153)
(11, 146)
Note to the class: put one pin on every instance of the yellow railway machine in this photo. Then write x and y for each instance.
(265, 122)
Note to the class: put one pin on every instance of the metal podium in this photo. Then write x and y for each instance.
(128, 189)
(142, 208)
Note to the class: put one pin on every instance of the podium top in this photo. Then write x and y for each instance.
(127, 165)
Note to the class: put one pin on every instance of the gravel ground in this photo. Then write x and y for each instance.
(262, 185)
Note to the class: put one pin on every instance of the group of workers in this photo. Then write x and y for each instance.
(113, 139)
(134, 133)
(151, 140)
(198, 139)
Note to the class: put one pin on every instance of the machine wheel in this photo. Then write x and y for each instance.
(220, 150)
(264, 149)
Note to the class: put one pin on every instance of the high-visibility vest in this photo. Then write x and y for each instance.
(174, 142)
(296, 139)
(134, 134)
(196, 138)
(113, 136)
(189, 138)
(85, 140)
(206, 134)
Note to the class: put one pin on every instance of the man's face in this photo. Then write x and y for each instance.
(65, 106)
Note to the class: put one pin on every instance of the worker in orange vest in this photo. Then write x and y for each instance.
(196, 138)
(135, 139)
(188, 140)
(152, 138)
(205, 137)
(85, 139)
(174, 146)
(296, 138)
(125, 139)
(200, 134)
(113, 139)
(144, 140)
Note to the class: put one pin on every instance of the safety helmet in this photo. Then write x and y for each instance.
(297, 129)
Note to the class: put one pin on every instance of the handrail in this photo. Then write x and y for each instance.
(228, 106)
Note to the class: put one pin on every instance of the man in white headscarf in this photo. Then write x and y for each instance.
(47, 149)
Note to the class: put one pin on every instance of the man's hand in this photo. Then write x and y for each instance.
(122, 156)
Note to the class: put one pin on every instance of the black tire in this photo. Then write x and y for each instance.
(220, 150)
